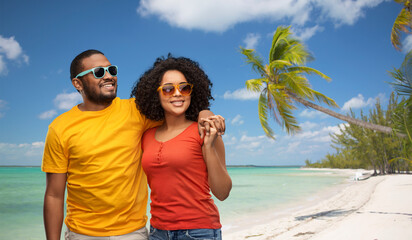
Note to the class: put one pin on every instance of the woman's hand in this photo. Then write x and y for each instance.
(206, 125)
(210, 138)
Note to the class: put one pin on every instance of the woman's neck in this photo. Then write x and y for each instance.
(175, 122)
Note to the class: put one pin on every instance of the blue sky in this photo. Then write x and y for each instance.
(349, 39)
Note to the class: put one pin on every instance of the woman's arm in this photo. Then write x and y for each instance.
(214, 155)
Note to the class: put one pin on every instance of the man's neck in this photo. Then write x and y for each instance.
(90, 106)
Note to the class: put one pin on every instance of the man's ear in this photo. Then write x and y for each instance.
(77, 84)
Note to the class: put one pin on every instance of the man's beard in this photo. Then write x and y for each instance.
(97, 98)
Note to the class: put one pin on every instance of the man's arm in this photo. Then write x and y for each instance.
(53, 208)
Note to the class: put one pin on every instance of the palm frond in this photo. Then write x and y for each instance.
(279, 42)
(255, 85)
(406, 69)
(263, 115)
(323, 98)
(284, 109)
(401, 85)
(402, 24)
(402, 118)
(400, 1)
(279, 64)
(403, 77)
(255, 60)
(309, 70)
(296, 52)
(296, 83)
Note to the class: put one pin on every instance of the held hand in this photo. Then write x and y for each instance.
(204, 125)
(210, 138)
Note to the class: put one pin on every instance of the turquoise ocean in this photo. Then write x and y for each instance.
(256, 190)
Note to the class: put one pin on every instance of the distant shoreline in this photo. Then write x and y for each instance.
(231, 166)
(25, 166)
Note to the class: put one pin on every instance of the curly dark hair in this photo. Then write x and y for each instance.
(147, 97)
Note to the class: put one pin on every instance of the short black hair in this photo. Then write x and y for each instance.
(147, 97)
(76, 66)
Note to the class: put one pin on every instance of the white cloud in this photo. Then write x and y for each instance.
(407, 44)
(3, 68)
(320, 135)
(196, 14)
(12, 50)
(308, 125)
(21, 154)
(251, 40)
(312, 114)
(245, 143)
(66, 101)
(360, 102)
(229, 140)
(218, 16)
(48, 114)
(3, 105)
(293, 146)
(10, 47)
(246, 138)
(62, 101)
(253, 144)
(25, 58)
(306, 33)
(241, 94)
(237, 120)
(345, 11)
(37, 144)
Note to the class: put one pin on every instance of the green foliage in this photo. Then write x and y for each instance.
(358, 147)
(403, 23)
(282, 78)
(402, 83)
(403, 77)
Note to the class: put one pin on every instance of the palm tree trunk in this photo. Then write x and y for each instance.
(379, 128)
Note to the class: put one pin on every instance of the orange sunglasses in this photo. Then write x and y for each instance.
(169, 89)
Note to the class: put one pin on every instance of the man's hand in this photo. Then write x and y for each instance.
(205, 125)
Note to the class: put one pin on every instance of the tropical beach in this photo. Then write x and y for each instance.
(316, 96)
(375, 208)
(266, 203)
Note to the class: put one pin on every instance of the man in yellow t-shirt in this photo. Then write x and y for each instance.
(95, 149)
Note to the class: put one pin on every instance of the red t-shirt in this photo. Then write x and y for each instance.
(177, 176)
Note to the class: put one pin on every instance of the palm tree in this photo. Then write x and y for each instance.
(403, 87)
(403, 23)
(282, 84)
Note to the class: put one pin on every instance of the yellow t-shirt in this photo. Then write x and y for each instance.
(101, 153)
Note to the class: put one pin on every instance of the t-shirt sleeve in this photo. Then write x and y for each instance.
(54, 159)
(147, 123)
(150, 123)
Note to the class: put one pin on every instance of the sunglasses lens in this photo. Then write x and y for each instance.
(168, 90)
(185, 89)
(113, 70)
(98, 72)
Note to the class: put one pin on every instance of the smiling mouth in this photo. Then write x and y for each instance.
(108, 85)
(177, 103)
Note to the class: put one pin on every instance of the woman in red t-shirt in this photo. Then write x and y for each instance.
(182, 167)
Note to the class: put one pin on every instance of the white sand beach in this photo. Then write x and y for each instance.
(377, 208)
